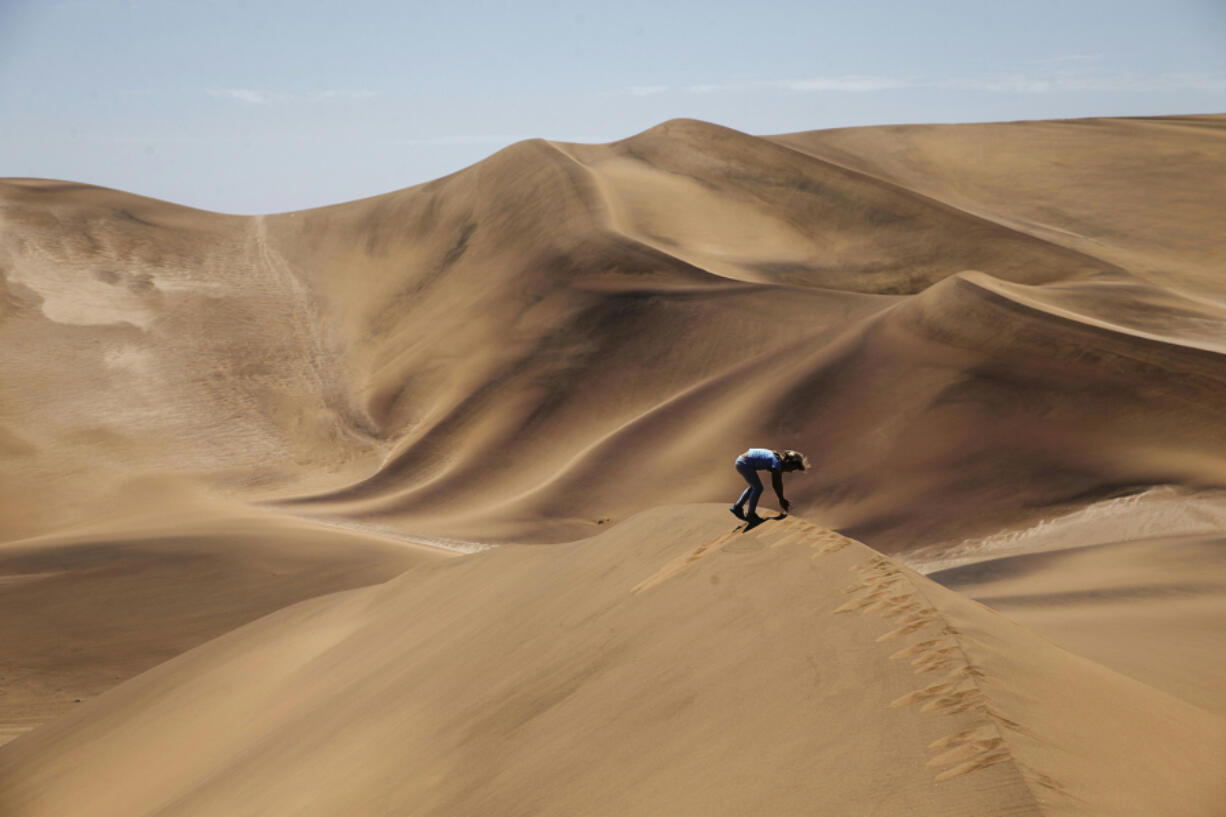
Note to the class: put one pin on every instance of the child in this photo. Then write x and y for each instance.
(756, 459)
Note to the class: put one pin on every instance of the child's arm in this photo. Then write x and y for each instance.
(777, 484)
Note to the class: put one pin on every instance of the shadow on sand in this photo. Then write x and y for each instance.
(753, 523)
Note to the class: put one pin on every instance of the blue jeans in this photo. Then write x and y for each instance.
(754, 490)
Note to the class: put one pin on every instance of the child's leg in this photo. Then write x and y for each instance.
(755, 493)
(754, 490)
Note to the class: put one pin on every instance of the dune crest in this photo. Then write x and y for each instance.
(705, 671)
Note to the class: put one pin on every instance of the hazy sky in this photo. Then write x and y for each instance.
(246, 106)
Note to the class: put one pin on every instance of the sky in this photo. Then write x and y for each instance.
(243, 106)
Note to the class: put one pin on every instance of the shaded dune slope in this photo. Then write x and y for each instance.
(646, 670)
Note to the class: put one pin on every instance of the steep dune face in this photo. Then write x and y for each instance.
(648, 670)
(1002, 395)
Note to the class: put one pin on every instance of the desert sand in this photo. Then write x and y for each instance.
(416, 504)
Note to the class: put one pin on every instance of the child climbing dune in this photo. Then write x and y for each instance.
(759, 459)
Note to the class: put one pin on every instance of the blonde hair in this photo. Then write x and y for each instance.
(795, 458)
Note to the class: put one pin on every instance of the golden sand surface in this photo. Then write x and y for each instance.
(416, 504)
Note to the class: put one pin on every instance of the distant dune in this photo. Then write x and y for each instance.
(514, 340)
(1000, 345)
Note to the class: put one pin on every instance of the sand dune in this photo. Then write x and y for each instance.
(85, 609)
(682, 187)
(647, 670)
(999, 344)
(651, 217)
(466, 351)
(1070, 408)
(1152, 608)
(142, 338)
(1138, 192)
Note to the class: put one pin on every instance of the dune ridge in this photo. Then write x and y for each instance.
(472, 334)
(1140, 192)
(513, 681)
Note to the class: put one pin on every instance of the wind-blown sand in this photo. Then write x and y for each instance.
(1000, 345)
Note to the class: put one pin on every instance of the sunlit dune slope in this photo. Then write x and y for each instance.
(671, 665)
(141, 338)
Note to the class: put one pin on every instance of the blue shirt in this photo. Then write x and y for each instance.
(762, 458)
